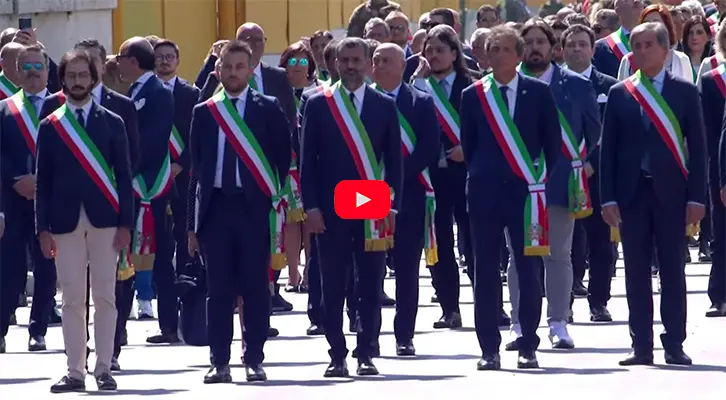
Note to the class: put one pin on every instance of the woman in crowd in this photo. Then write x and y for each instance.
(697, 42)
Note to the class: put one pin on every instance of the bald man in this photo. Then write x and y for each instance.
(27, 38)
(152, 253)
(10, 78)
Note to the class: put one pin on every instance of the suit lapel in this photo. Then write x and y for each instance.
(460, 83)
(556, 84)
(265, 77)
(521, 101)
(367, 108)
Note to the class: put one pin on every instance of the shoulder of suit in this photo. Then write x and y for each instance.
(103, 111)
(273, 69)
(533, 83)
(682, 83)
(609, 80)
(573, 78)
(263, 98)
(117, 96)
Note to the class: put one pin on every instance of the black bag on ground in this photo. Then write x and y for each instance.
(192, 290)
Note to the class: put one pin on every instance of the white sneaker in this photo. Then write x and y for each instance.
(146, 310)
(515, 332)
(133, 314)
(559, 336)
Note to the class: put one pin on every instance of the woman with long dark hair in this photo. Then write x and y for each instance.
(696, 41)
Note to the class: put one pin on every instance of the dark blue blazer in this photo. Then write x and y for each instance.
(625, 140)
(155, 107)
(713, 112)
(63, 186)
(119, 105)
(185, 98)
(535, 115)
(412, 64)
(269, 125)
(602, 84)
(325, 156)
(418, 109)
(576, 99)
(604, 59)
(15, 155)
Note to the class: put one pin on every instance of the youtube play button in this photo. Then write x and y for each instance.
(362, 199)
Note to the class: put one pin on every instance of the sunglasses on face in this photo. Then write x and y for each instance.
(292, 61)
(33, 66)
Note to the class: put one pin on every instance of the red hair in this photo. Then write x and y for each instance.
(665, 15)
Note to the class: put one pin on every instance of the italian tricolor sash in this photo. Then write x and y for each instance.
(713, 19)
(408, 144)
(27, 118)
(536, 229)
(250, 152)
(295, 210)
(713, 60)
(7, 88)
(577, 188)
(144, 236)
(661, 115)
(719, 75)
(618, 43)
(446, 113)
(359, 144)
(176, 143)
(631, 62)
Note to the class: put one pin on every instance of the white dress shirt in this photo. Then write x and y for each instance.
(222, 141)
(141, 81)
(546, 76)
(170, 84)
(97, 94)
(511, 93)
(257, 76)
(86, 110)
(359, 96)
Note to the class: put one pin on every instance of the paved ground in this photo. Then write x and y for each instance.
(445, 366)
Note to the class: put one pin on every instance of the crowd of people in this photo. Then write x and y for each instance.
(539, 144)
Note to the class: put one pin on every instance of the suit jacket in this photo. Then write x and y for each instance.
(118, 104)
(535, 116)
(325, 158)
(185, 98)
(63, 185)
(604, 59)
(602, 84)
(625, 141)
(576, 99)
(418, 109)
(16, 157)
(712, 102)
(412, 64)
(266, 121)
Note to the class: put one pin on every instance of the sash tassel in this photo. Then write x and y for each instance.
(278, 260)
(430, 248)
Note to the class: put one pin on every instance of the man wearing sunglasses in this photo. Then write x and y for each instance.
(19, 127)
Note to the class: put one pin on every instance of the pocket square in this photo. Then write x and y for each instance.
(602, 98)
(140, 104)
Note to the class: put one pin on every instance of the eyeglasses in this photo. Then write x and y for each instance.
(33, 66)
(398, 28)
(292, 61)
(120, 56)
(167, 57)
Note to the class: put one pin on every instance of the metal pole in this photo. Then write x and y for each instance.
(462, 15)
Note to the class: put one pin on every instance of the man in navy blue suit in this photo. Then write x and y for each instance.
(505, 181)
(84, 213)
(568, 196)
(240, 152)
(612, 48)
(328, 156)
(653, 185)
(153, 179)
(415, 224)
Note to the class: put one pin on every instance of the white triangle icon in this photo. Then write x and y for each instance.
(360, 199)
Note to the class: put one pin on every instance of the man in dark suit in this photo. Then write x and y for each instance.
(27, 37)
(236, 199)
(578, 42)
(326, 159)
(155, 107)
(501, 188)
(414, 230)
(19, 127)
(612, 48)
(567, 190)
(653, 185)
(84, 213)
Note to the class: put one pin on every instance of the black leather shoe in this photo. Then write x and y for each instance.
(280, 305)
(160, 338)
(67, 384)
(704, 256)
(255, 373)
(336, 369)
(115, 366)
(637, 359)
(504, 320)
(511, 346)
(36, 343)
(579, 289)
(452, 321)
(386, 301)
(376, 352)
(677, 357)
(434, 299)
(405, 349)
(490, 362)
(3, 348)
(600, 314)
(218, 374)
(366, 367)
(106, 382)
(527, 360)
(716, 310)
(315, 330)
(272, 332)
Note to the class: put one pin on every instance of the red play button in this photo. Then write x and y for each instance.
(362, 199)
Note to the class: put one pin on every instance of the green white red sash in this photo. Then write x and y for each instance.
(176, 143)
(577, 188)
(361, 149)
(250, 152)
(713, 60)
(618, 43)
(661, 115)
(295, 210)
(719, 75)
(7, 88)
(536, 224)
(144, 236)
(27, 118)
(631, 62)
(408, 144)
(713, 19)
(445, 112)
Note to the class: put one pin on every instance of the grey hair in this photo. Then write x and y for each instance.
(479, 32)
(351, 43)
(660, 30)
(695, 7)
(373, 22)
(500, 32)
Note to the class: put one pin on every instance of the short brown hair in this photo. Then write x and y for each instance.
(167, 43)
(236, 46)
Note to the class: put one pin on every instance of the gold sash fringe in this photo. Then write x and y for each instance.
(128, 273)
(381, 244)
(143, 262)
(582, 213)
(432, 256)
(541, 251)
(614, 235)
(278, 262)
(296, 215)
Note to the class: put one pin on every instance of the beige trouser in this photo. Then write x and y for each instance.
(87, 246)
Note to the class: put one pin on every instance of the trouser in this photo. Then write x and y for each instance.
(87, 246)
(124, 302)
(315, 295)
(178, 202)
(717, 277)
(557, 266)
(603, 254)
(578, 255)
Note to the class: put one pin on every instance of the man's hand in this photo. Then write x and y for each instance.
(25, 186)
(423, 70)
(389, 223)
(455, 153)
(2, 227)
(25, 37)
(175, 169)
(589, 170)
(314, 221)
(192, 244)
(47, 244)
(611, 215)
(217, 47)
(694, 213)
(723, 195)
(122, 239)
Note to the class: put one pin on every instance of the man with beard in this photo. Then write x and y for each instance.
(567, 193)
(84, 207)
(19, 126)
(338, 126)
(239, 171)
(611, 49)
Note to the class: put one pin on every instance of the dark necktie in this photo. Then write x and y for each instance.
(648, 124)
(352, 100)
(505, 98)
(229, 164)
(444, 85)
(79, 117)
(132, 88)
